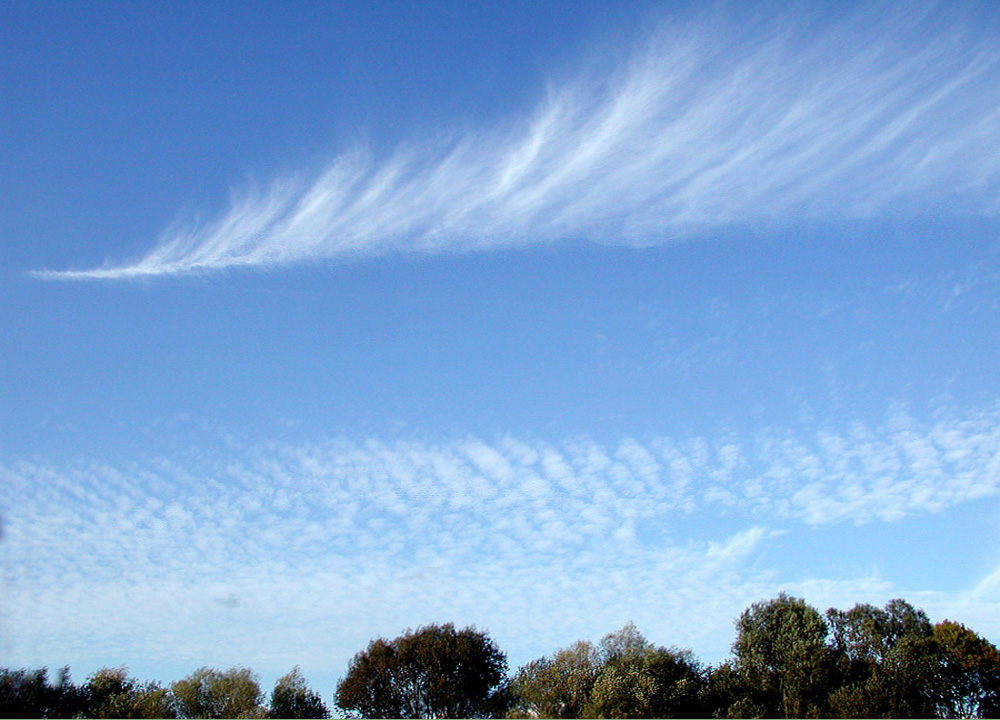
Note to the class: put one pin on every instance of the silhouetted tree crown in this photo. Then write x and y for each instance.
(28, 693)
(433, 672)
(292, 698)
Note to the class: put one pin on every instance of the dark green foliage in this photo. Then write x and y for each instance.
(24, 693)
(681, 682)
(111, 693)
(371, 687)
(729, 695)
(292, 698)
(782, 660)
(888, 662)
(29, 694)
(435, 671)
(868, 634)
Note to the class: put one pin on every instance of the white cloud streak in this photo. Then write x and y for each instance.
(709, 122)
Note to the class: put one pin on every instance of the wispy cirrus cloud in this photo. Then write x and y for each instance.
(711, 121)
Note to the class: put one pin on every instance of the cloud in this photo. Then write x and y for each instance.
(714, 120)
(276, 554)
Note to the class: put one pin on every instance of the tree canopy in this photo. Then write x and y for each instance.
(623, 676)
(970, 671)
(787, 660)
(782, 659)
(888, 662)
(433, 672)
(209, 693)
(29, 693)
(292, 698)
(112, 693)
(558, 686)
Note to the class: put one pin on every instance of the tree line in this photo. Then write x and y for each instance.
(788, 660)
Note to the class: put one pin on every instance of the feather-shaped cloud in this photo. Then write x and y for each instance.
(707, 123)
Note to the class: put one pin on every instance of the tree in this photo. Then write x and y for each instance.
(435, 672)
(24, 693)
(111, 693)
(209, 693)
(887, 661)
(728, 694)
(638, 679)
(970, 673)
(782, 659)
(623, 676)
(654, 682)
(292, 698)
(28, 693)
(624, 644)
(372, 686)
(557, 686)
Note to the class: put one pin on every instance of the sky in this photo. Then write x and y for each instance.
(327, 321)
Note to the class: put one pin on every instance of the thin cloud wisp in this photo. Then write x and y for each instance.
(706, 124)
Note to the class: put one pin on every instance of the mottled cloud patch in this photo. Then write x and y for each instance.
(543, 542)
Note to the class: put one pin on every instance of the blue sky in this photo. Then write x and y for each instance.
(325, 322)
